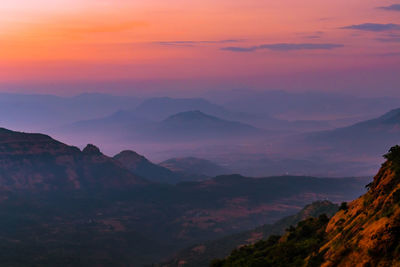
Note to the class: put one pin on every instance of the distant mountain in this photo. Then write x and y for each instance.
(195, 166)
(126, 125)
(38, 162)
(304, 105)
(371, 137)
(118, 124)
(202, 254)
(49, 111)
(197, 125)
(365, 232)
(160, 108)
(141, 166)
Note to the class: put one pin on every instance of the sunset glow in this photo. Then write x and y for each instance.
(106, 40)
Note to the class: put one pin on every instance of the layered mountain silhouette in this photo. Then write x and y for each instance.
(196, 124)
(371, 137)
(160, 108)
(50, 111)
(365, 232)
(183, 126)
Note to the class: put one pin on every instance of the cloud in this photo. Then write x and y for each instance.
(194, 43)
(394, 7)
(373, 27)
(283, 47)
(314, 35)
(391, 38)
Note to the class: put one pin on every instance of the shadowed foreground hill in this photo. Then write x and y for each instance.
(365, 232)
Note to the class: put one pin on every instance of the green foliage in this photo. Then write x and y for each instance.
(344, 206)
(393, 154)
(394, 157)
(291, 250)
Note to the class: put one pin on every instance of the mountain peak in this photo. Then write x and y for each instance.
(129, 157)
(192, 115)
(91, 150)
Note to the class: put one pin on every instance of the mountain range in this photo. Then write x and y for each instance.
(184, 126)
(50, 111)
(64, 206)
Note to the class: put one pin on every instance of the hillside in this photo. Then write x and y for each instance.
(364, 232)
(368, 232)
(202, 254)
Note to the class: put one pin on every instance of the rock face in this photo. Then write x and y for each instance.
(368, 232)
(38, 162)
(91, 150)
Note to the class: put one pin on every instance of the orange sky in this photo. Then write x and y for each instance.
(108, 40)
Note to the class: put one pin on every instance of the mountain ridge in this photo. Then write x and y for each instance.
(141, 166)
(39, 162)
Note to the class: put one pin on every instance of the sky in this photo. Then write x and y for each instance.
(131, 46)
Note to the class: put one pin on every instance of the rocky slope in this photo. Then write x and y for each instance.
(368, 232)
